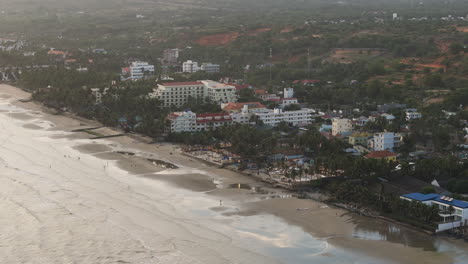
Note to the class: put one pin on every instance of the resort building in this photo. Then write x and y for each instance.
(341, 126)
(190, 122)
(220, 92)
(453, 213)
(301, 117)
(140, 69)
(178, 93)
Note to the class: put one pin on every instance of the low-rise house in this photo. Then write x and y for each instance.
(413, 116)
(360, 121)
(359, 139)
(453, 213)
(287, 101)
(385, 154)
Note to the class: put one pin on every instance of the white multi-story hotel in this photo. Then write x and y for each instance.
(341, 126)
(301, 117)
(210, 67)
(140, 69)
(190, 66)
(220, 92)
(178, 93)
(190, 122)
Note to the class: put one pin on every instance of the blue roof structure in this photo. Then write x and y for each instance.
(454, 203)
(421, 197)
(435, 197)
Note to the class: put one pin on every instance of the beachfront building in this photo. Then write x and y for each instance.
(139, 69)
(190, 122)
(453, 213)
(182, 121)
(190, 67)
(178, 93)
(210, 67)
(272, 118)
(341, 126)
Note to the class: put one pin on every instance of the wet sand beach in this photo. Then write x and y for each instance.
(66, 198)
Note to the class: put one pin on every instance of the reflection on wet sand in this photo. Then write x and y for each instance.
(70, 198)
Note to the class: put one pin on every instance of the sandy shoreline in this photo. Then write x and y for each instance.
(203, 185)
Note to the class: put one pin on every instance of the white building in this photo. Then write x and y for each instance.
(190, 66)
(140, 69)
(220, 92)
(301, 117)
(288, 93)
(178, 93)
(190, 122)
(385, 141)
(210, 67)
(96, 92)
(453, 213)
(341, 126)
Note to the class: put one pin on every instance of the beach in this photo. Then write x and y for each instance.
(67, 198)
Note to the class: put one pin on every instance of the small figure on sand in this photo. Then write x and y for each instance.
(220, 202)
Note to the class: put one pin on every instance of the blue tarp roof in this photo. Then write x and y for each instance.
(435, 197)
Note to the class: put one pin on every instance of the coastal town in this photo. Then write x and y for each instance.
(361, 113)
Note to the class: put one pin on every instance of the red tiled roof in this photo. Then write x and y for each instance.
(56, 52)
(260, 92)
(210, 118)
(240, 86)
(239, 106)
(212, 115)
(380, 154)
(182, 83)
